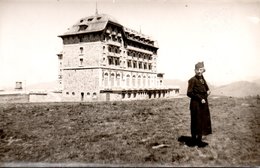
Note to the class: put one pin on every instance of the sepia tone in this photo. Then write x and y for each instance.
(103, 60)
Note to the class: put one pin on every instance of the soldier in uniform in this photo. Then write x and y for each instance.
(198, 91)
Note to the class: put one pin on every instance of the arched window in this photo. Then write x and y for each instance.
(88, 95)
(128, 80)
(149, 80)
(134, 95)
(118, 79)
(94, 95)
(129, 95)
(133, 81)
(144, 80)
(139, 81)
(106, 79)
(112, 80)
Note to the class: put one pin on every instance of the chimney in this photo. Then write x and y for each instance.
(18, 85)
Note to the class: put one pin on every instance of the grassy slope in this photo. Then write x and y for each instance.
(125, 132)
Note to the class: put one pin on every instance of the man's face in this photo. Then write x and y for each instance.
(199, 71)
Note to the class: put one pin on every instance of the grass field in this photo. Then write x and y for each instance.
(129, 133)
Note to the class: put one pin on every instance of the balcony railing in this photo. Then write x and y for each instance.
(115, 43)
(113, 54)
(139, 50)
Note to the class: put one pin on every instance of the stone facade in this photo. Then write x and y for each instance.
(102, 61)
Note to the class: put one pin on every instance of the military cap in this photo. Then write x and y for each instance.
(199, 65)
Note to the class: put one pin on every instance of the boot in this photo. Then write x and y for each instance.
(200, 143)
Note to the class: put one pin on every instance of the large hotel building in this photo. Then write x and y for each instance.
(102, 60)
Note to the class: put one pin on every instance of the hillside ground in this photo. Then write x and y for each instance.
(129, 133)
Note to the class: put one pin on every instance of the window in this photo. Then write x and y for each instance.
(82, 96)
(110, 60)
(98, 18)
(81, 50)
(81, 62)
(73, 93)
(106, 79)
(67, 93)
(139, 81)
(94, 95)
(83, 27)
(133, 80)
(134, 94)
(129, 63)
(90, 19)
(109, 49)
(140, 65)
(117, 61)
(144, 81)
(150, 66)
(127, 80)
(112, 79)
(135, 64)
(118, 79)
(145, 65)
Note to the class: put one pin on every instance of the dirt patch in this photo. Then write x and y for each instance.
(129, 133)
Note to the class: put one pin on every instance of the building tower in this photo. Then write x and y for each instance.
(103, 60)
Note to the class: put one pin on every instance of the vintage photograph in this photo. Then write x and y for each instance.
(129, 83)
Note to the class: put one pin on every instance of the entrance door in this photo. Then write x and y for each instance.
(108, 97)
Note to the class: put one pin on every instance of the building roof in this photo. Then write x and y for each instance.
(92, 23)
(98, 22)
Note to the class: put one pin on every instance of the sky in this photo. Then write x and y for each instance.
(225, 34)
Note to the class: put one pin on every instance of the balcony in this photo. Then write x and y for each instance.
(139, 50)
(115, 43)
(112, 54)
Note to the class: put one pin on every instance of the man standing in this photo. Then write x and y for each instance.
(198, 91)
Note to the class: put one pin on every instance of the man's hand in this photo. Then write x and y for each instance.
(208, 92)
(203, 101)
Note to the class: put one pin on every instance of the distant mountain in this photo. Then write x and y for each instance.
(257, 81)
(177, 83)
(238, 89)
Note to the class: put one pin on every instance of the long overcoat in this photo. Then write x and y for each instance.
(200, 115)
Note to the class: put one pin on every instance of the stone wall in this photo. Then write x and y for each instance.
(14, 98)
(138, 95)
(45, 97)
(82, 54)
(81, 85)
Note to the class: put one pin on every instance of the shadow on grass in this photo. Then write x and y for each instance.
(187, 140)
